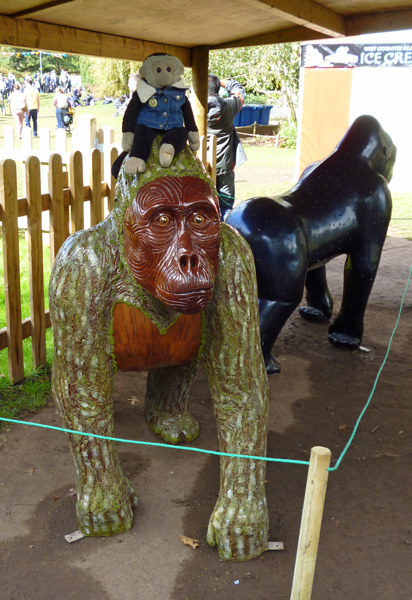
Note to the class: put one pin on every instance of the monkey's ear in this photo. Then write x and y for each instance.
(142, 71)
(179, 70)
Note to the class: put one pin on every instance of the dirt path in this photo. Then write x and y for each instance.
(366, 541)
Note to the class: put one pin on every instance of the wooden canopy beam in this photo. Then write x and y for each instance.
(200, 71)
(39, 8)
(24, 33)
(377, 22)
(295, 34)
(308, 14)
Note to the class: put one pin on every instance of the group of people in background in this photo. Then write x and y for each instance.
(24, 98)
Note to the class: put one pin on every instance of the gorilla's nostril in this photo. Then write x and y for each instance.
(183, 262)
(193, 261)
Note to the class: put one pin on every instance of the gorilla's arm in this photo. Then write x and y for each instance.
(236, 373)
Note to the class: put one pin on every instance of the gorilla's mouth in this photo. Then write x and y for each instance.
(186, 301)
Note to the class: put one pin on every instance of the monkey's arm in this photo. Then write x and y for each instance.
(129, 121)
(235, 369)
(190, 124)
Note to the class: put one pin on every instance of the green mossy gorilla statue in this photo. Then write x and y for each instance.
(96, 271)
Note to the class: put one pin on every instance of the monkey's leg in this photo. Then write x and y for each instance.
(318, 297)
(166, 403)
(236, 373)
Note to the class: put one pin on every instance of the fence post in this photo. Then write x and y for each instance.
(311, 523)
(35, 248)
(9, 137)
(8, 203)
(76, 191)
(57, 221)
(96, 200)
(202, 152)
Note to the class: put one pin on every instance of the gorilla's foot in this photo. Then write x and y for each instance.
(238, 527)
(104, 509)
(312, 314)
(134, 165)
(166, 154)
(343, 340)
(174, 428)
(272, 365)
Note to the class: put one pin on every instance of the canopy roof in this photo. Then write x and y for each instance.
(132, 29)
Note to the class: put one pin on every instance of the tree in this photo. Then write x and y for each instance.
(23, 60)
(111, 76)
(272, 70)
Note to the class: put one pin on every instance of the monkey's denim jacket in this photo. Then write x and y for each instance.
(164, 109)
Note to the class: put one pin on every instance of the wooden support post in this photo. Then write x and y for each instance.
(211, 158)
(311, 523)
(8, 207)
(198, 99)
(35, 249)
(202, 152)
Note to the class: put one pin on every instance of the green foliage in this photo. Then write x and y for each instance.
(111, 76)
(269, 70)
(22, 60)
(256, 99)
(288, 131)
(30, 395)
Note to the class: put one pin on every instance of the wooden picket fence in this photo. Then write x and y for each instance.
(65, 199)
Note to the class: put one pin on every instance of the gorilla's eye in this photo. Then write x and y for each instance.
(198, 220)
(169, 69)
(163, 220)
(159, 69)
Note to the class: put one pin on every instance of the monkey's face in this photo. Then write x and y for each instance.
(161, 71)
(171, 240)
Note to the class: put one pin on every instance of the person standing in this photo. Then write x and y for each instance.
(229, 151)
(61, 103)
(32, 98)
(17, 107)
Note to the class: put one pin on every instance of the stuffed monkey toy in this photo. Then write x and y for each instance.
(159, 105)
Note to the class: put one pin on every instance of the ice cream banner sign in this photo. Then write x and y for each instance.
(327, 56)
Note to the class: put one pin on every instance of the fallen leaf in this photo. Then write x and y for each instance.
(71, 492)
(55, 497)
(342, 427)
(31, 471)
(133, 400)
(187, 541)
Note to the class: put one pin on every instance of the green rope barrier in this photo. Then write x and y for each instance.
(157, 444)
(376, 379)
(216, 453)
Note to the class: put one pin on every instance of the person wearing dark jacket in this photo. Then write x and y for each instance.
(229, 152)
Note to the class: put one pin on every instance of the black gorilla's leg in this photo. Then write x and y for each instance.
(273, 315)
(360, 271)
(318, 297)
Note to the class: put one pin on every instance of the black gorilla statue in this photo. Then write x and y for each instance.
(340, 205)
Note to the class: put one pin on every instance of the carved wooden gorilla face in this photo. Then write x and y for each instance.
(171, 241)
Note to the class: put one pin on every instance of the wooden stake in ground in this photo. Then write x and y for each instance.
(311, 523)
